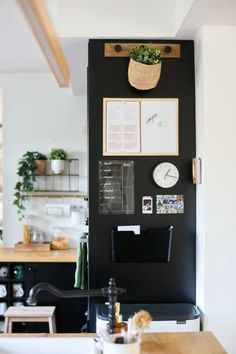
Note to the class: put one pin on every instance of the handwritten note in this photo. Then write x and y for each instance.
(159, 127)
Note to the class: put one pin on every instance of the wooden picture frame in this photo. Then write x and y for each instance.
(140, 127)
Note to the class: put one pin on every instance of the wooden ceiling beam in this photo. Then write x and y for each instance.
(37, 16)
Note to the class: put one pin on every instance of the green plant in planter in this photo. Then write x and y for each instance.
(57, 164)
(144, 67)
(57, 154)
(27, 172)
(146, 54)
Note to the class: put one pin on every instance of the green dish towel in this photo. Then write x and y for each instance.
(81, 272)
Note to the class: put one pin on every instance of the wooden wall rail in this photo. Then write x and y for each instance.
(168, 50)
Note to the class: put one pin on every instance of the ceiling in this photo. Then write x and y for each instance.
(207, 12)
(119, 19)
(77, 20)
(19, 52)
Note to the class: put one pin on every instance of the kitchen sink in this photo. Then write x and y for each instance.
(46, 344)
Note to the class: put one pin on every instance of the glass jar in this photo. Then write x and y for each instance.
(37, 236)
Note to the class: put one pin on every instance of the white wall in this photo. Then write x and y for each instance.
(216, 144)
(115, 19)
(38, 115)
(0, 164)
(207, 12)
(181, 10)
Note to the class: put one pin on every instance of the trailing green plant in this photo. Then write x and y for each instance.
(39, 156)
(57, 154)
(27, 172)
(146, 54)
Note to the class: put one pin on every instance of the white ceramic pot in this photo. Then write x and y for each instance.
(112, 348)
(57, 166)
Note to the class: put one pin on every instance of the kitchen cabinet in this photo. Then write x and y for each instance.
(11, 281)
(70, 313)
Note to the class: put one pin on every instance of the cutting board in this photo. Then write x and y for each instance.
(35, 247)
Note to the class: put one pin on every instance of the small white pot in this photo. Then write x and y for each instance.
(57, 166)
(112, 348)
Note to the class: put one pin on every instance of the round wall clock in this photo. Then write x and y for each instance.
(165, 175)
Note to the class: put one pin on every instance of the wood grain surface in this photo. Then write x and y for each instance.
(64, 256)
(181, 343)
(160, 343)
(109, 49)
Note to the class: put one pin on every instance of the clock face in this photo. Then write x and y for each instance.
(166, 175)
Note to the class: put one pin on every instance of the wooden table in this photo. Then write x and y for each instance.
(181, 343)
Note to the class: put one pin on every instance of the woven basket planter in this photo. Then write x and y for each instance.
(41, 167)
(143, 76)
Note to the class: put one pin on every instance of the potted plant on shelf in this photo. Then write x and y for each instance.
(41, 163)
(144, 67)
(57, 157)
(29, 167)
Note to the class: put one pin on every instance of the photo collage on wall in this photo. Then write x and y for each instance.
(170, 204)
(165, 204)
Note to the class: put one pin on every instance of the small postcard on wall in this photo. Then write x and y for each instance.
(147, 205)
(170, 204)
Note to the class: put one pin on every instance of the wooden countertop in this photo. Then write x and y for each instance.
(161, 343)
(10, 255)
(181, 343)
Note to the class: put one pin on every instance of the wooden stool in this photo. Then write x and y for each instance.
(30, 314)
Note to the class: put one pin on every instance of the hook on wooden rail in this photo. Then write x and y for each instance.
(118, 48)
(167, 49)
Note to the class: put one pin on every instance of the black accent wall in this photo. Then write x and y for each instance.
(173, 281)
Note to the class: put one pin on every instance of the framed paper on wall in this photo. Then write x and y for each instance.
(147, 126)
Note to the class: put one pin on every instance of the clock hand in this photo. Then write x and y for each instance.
(171, 176)
(167, 173)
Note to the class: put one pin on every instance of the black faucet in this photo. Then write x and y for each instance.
(111, 292)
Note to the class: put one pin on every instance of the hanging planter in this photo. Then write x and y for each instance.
(144, 67)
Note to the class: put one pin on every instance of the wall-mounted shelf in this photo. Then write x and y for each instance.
(49, 194)
(67, 181)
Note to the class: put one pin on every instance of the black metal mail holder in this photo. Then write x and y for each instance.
(153, 245)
